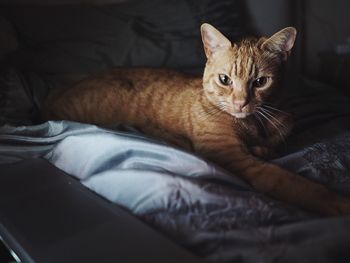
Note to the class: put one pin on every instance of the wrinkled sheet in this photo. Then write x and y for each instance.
(194, 202)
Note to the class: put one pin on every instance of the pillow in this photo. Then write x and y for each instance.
(168, 34)
(157, 33)
(66, 39)
(8, 39)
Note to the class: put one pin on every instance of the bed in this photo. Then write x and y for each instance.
(192, 201)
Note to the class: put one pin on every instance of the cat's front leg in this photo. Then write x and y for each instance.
(263, 152)
(271, 179)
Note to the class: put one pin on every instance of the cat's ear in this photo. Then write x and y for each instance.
(213, 40)
(282, 41)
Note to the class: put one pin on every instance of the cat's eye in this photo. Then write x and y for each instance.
(225, 80)
(260, 82)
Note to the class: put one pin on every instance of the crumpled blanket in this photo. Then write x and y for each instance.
(192, 201)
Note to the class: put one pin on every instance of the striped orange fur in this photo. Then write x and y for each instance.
(222, 116)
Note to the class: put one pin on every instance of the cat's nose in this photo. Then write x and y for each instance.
(240, 104)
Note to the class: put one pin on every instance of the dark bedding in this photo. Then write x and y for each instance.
(194, 202)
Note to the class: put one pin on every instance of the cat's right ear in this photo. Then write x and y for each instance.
(213, 40)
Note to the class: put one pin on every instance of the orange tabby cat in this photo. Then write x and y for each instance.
(222, 116)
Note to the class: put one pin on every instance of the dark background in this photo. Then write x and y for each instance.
(322, 49)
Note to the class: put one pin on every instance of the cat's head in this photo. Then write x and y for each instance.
(239, 77)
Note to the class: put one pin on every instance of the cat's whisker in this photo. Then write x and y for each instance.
(272, 123)
(273, 108)
(272, 117)
(273, 120)
(222, 106)
(256, 114)
(204, 115)
(270, 114)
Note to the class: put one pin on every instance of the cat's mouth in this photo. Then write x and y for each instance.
(240, 115)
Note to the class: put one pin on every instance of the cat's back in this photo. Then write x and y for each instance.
(141, 78)
(138, 80)
(122, 92)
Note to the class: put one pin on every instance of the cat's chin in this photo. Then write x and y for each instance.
(240, 115)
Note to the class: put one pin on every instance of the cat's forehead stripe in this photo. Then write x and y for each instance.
(235, 68)
(244, 63)
(238, 65)
(250, 66)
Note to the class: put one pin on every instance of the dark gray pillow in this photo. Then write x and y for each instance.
(157, 33)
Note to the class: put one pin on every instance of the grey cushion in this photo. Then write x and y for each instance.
(8, 38)
(66, 39)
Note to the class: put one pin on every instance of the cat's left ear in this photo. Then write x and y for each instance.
(282, 41)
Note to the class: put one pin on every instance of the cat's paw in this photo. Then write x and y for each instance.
(263, 152)
(341, 207)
